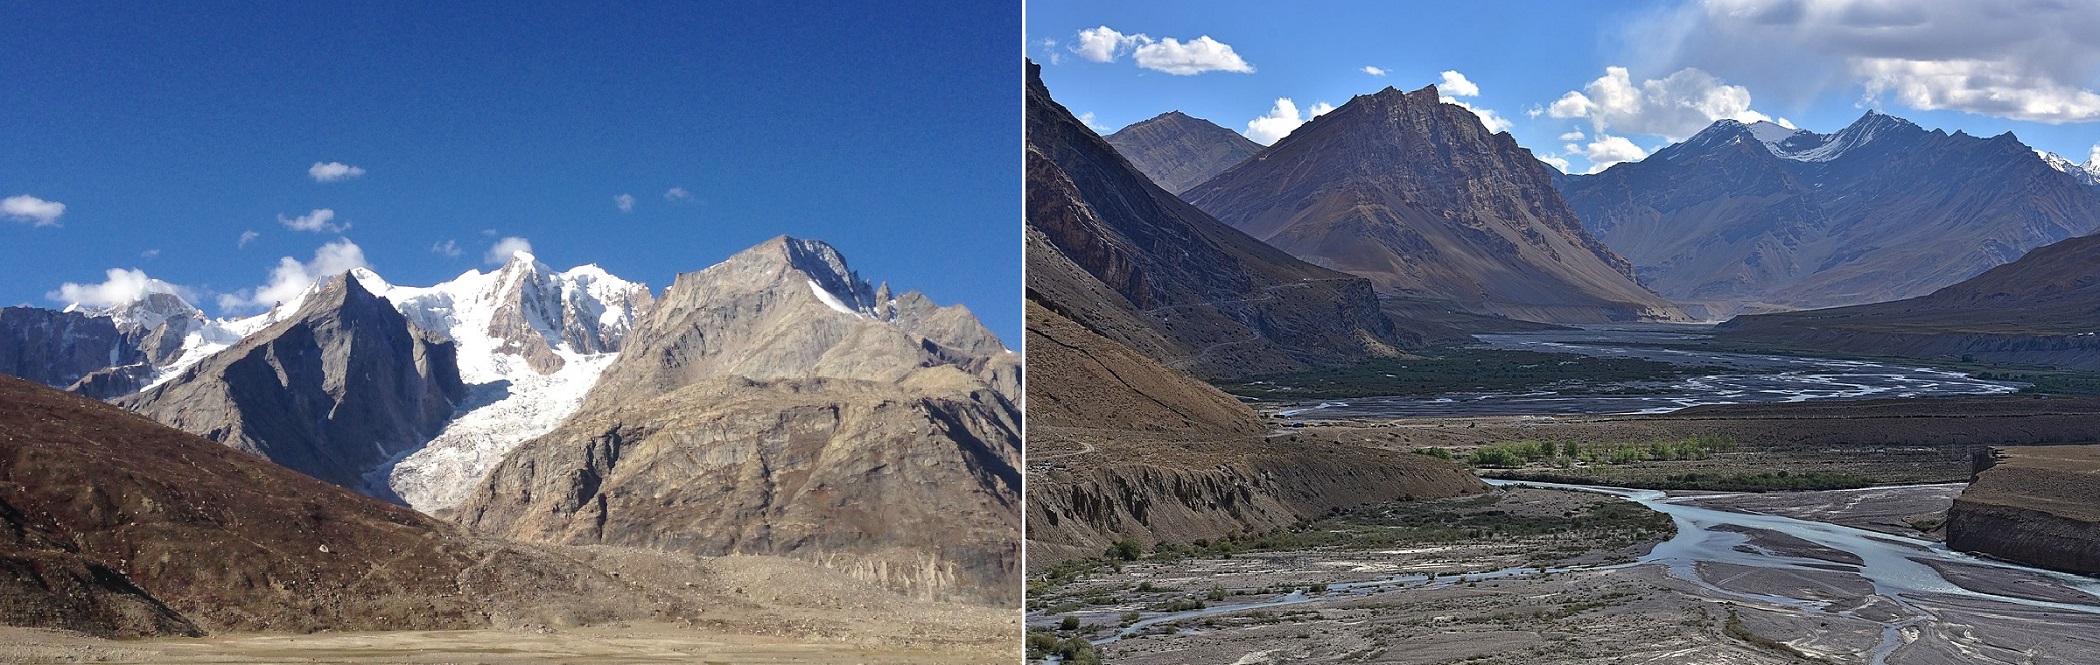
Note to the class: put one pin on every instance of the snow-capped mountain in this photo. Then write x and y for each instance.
(2087, 173)
(530, 341)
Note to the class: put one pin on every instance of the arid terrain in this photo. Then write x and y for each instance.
(746, 609)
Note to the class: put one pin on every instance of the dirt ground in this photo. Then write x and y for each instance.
(752, 610)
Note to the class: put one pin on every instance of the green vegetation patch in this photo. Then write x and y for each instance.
(1441, 371)
(1742, 481)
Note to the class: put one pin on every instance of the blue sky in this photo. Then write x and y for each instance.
(1645, 73)
(168, 131)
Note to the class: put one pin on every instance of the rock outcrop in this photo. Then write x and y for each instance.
(1421, 198)
(2043, 309)
(333, 390)
(59, 349)
(2037, 505)
(1178, 151)
(1755, 218)
(776, 404)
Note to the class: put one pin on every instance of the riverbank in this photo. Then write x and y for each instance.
(1727, 587)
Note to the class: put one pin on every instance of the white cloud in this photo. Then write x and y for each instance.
(1555, 161)
(119, 286)
(677, 194)
(509, 246)
(1608, 150)
(1673, 107)
(1374, 71)
(447, 248)
(247, 237)
(625, 202)
(1282, 118)
(333, 171)
(1572, 135)
(33, 210)
(321, 220)
(1170, 55)
(1087, 119)
(2033, 60)
(151, 253)
(1197, 56)
(1456, 85)
(1104, 44)
(291, 278)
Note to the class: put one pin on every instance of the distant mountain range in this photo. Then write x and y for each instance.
(2043, 309)
(1419, 197)
(1178, 151)
(1746, 218)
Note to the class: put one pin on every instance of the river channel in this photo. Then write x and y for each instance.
(1746, 378)
(1904, 574)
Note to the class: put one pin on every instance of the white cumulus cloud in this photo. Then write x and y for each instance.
(1608, 150)
(1170, 55)
(625, 202)
(119, 286)
(1374, 71)
(321, 220)
(1673, 107)
(333, 171)
(32, 210)
(1281, 120)
(1456, 85)
(509, 246)
(291, 277)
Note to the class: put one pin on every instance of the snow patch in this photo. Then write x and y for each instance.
(831, 300)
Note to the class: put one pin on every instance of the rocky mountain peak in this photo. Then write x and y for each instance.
(1178, 151)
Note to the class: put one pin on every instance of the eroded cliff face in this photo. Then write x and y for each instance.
(1202, 487)
(2037, 505)
(777, 404)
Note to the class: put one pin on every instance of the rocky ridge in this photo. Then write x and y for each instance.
(1421, 198)
(1178, 151)
(775, 403)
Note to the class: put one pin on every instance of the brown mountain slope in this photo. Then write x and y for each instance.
(1178, 152)
(773, 404)
(119, 525)
(1130, 290)
(2033, 504)
(1881, 210)
(1422, 199)
(1112, 251)
(2043, 309)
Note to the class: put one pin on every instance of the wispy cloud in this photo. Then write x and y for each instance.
(677, 194)
(247, 236)
(445, 248)
(33, 210)
(321, 220)
(333, 171)
(625, 202)
(150, 254)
